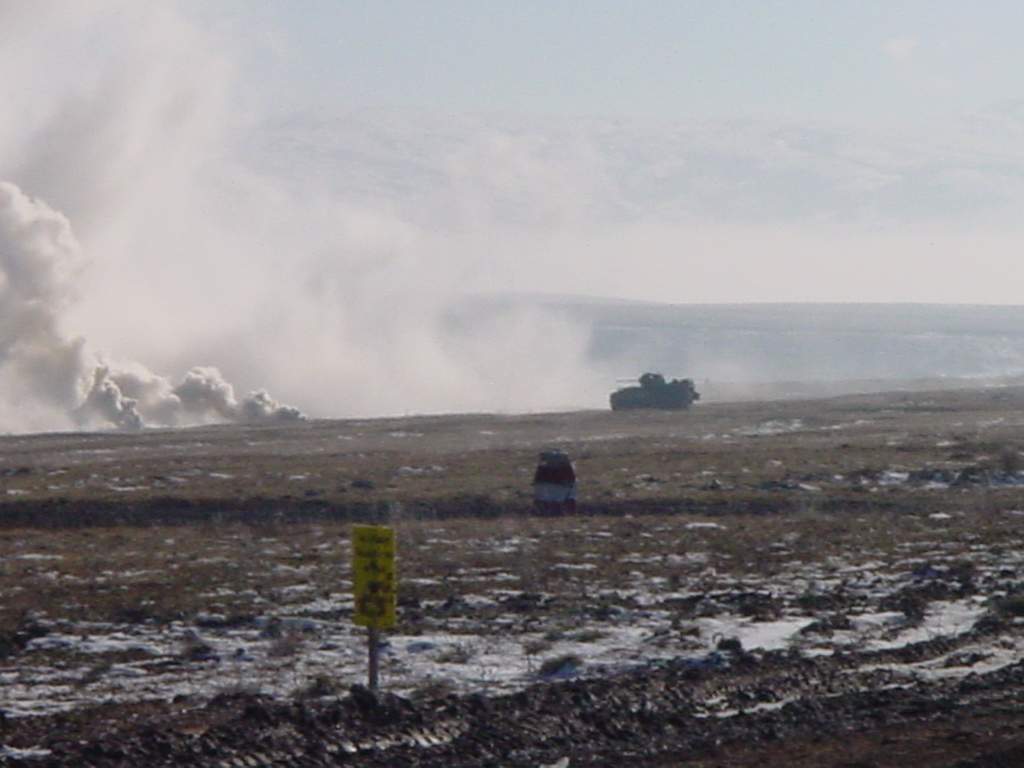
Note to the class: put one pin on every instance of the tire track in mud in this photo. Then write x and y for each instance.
(670, 709)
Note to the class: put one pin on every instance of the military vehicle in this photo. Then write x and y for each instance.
(655, 392)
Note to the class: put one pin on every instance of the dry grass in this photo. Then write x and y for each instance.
(404, 464)
(778, 504)
(159, 574)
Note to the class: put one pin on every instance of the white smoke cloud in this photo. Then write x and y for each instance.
(324, 255)
(106, 401)
(339, 302)
(39, 256)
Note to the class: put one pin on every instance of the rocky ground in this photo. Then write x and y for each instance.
(820, 583)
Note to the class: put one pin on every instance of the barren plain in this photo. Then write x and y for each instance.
(834, 582)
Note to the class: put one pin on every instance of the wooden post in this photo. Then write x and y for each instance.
(373, 644)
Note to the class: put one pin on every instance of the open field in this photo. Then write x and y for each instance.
(831, 582)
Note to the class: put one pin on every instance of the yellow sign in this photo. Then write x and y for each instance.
(374, 582)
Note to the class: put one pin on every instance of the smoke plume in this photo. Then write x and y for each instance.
(170, 236)
(39, 257)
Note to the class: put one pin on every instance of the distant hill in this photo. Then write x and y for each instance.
(528, 181)
(858, 346)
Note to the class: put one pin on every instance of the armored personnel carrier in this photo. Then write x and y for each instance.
(655, 392)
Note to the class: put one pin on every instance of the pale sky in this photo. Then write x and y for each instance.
(299, 192)
(868, 147)
(878, 63)
(793, 150)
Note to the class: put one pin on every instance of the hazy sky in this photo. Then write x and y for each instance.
(732, 151)
(728, 151)
(877, 63)
(300, 192)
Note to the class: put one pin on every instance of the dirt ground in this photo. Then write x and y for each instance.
(830, 582)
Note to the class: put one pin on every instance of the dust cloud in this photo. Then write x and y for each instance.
(39, 258)
(135, 241)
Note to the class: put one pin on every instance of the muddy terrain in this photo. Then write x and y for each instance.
(805, 583)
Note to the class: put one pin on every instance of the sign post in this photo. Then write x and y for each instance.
(374, 586)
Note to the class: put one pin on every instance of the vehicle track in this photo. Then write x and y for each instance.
(672, 709)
